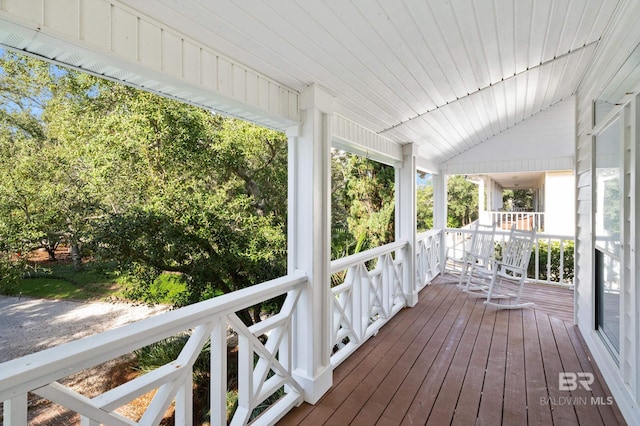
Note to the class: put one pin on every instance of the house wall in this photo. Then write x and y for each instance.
(557, 196)
(620, 370)
(541, 142)
(494, 195)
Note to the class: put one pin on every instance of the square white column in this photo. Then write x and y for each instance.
(309, 240)
(405, 225)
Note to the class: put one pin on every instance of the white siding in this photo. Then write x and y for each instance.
(543, 142)
(622, 375)
(558, 203)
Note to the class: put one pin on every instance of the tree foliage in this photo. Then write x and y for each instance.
(156, 185)
(462, 202)
(363, 204)
(517, 199)
(424, 207)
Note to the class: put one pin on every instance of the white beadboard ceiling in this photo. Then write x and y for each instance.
(446, 75)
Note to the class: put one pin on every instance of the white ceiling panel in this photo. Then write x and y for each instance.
(446, 75)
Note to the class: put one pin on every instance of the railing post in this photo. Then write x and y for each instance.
(218, 386)
(406, 221)
(309, 240)
(15, 411)
(184, 401)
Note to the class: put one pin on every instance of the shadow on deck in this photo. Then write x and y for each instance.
(453, 360)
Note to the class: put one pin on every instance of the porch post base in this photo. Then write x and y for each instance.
(411, 299)
(315, 387)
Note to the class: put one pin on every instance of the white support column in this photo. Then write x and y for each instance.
(483, 216)
(440, 211)
(481, 204)
(439, 201)
(309, 240)
(406, 220)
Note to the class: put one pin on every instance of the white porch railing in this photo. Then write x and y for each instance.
(369, 294)
(552, 257)
(524, 221)
(428, 257)
(264, 369)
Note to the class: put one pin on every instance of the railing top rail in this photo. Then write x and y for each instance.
(539, 235)
(428, 233)
(354, 259)
(33, 371)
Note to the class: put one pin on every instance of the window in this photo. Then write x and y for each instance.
(607, 202)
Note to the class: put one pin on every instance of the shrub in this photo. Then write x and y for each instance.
(553, 274)
(158, 354)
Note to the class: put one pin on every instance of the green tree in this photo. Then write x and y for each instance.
(363, 203)
(205, 198)
(462, 202)
(518, 199)
(38, 189)
(156, 185)
(424, 207)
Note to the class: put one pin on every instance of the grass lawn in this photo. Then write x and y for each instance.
(62, 281)
(93, 282)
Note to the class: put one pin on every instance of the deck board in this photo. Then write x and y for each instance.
(491, 399)
(536, 382)
(438, 361)
(453, 360)
(471, 391)
(514, 411)
(447, 397)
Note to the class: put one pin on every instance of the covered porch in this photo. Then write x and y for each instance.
(441, 87)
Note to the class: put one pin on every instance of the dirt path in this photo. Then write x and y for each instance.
(30, 325)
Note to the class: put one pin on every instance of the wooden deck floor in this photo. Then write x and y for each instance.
(453, 360)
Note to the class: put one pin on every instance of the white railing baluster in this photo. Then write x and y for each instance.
(387, 284)
(537, 260)
(245, 380)
(15, 411)
(218, 382)
(523, 220)
(361, 316)
(184, 401)
(561, 273)
(549, 255)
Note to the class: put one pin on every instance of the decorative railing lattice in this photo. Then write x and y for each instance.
(369, 294)
(264, 363)
(428, 257)
(369, 291)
